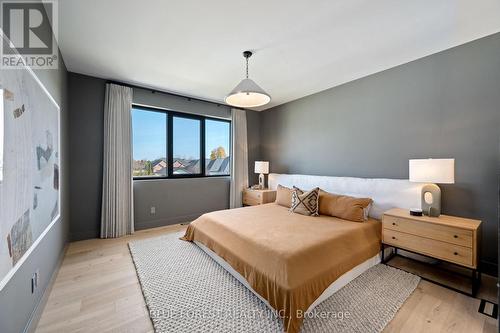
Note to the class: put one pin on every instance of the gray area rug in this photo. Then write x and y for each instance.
(187, 291)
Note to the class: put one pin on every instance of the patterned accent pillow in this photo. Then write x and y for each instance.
(305, 203)
(292, 201)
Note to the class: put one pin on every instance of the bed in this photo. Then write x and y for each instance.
(290, 261)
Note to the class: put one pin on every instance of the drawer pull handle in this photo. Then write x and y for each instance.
(393, 223)
(393, 237)
(455, 253)
(455, 236)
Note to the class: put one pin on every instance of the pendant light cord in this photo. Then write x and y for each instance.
(247, 65)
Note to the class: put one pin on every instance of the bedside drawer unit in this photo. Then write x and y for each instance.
(448, 238)
(441, 250)
(258, 197)
(443, 233)
(252, 198)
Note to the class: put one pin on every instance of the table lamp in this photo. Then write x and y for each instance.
(262, 167)
(430, 171)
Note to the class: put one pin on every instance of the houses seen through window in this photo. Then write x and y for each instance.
(217, 147)
(172, 144)
(149, 137)
(186, 146)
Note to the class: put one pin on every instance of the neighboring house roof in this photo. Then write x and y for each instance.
(225, 166)
(159, 166)
(216, 165)
(179, 164)
(219, 166)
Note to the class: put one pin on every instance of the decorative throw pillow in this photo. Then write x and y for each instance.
(366, 210)
(284, 196)
(305, 203)
(344, 207)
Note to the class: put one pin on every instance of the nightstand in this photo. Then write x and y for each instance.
(448, 238)
(258, 197)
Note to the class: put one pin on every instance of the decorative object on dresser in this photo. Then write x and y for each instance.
(416, 212)
(448, 238)
(253, 197)
(430, 170)
(262, 168)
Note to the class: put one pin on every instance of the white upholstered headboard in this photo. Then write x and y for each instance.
(386, 193)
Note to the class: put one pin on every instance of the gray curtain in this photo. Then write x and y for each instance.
(239, 172)
(117, 217)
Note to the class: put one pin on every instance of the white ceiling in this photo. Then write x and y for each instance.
(301, 47)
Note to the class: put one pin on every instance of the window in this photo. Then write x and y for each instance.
(217, 147)
(149, 136)
(186, 146)
(177, 145)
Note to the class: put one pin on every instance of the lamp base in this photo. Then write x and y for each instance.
(431, 200)
(262, 181)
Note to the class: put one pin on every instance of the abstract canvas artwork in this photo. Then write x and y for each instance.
(29, 165)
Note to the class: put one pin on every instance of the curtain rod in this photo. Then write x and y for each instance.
(154, 91)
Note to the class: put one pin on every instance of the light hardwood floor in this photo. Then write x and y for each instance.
(96, 290)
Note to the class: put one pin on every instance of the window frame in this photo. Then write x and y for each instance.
(170, 114)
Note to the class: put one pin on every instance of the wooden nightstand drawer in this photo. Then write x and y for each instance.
(448, 234)
(448, 238)
(434, 248)
(258, 197)
(249, 198)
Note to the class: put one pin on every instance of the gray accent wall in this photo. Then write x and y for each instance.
(175, 200)
(253, 138)
(444, 105)
(86, 122)
(178, 200)
(19, 308)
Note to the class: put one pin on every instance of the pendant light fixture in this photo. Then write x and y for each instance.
(247, 94)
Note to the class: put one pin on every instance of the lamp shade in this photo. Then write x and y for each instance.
(439, 170)
(247, 94)
(262, 167)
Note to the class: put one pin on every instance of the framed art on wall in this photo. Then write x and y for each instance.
(29, 166)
